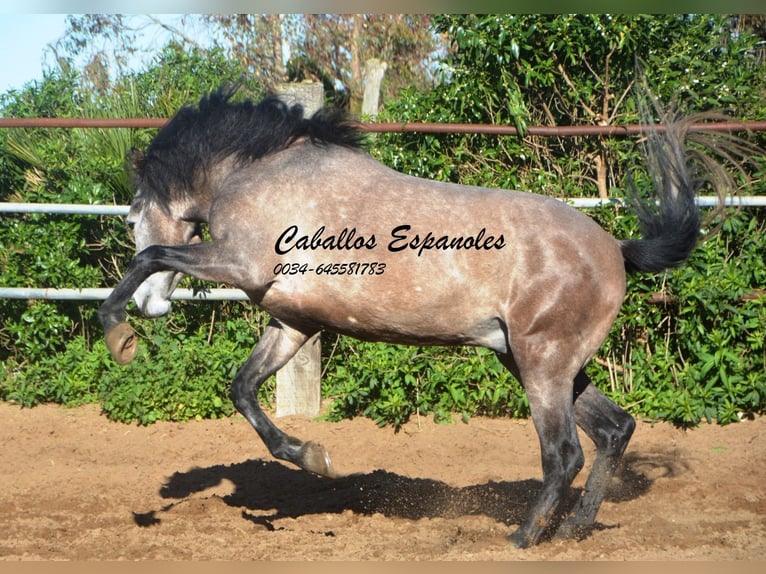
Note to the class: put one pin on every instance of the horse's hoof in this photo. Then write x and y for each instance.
(313, 457)
(122, 343)
(572, 531)
(519, 540)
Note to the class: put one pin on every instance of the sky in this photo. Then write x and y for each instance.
(23, 39)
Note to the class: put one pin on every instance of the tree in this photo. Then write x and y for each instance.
(337, 48)
(576, 69)
(272, 48)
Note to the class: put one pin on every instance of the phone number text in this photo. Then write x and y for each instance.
(352, 268)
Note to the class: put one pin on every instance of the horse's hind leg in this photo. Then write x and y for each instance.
(610, 428)
(550, 402)
(275, 348)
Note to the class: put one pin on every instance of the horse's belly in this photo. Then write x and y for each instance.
(394, 311)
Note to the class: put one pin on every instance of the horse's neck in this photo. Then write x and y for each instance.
(208, 186)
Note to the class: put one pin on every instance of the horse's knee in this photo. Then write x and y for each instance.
(242, 394)
(627, 426)
(616, 435)
(563, 460)
(562, 454)
(573, 462)
(609, 426)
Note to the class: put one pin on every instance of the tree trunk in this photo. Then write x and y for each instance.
(603, 190)
(374, 70)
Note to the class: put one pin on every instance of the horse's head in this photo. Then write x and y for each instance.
(153, 224)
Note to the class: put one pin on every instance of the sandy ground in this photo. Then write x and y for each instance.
(77, 486)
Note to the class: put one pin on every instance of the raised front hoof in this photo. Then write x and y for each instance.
(122, 343)
(313, 457)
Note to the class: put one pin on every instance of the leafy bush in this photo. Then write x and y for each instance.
(175, 375)
(390, 383)
(196, 386)
(700, 354)
(70, 377)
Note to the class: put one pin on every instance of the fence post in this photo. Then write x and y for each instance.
(374, 69)
(299, 381)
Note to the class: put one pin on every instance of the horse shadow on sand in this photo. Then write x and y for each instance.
(267, 491)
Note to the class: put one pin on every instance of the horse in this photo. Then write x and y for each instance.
(322, 236)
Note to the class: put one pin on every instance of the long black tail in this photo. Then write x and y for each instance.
(670, 221)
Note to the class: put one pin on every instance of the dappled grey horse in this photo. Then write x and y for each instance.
(323, 237)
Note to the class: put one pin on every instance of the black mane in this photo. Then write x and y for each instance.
(199, 136)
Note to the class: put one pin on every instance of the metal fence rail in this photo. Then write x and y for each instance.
(407, 127)
(578, 202)
(64, 208)
(99, 294)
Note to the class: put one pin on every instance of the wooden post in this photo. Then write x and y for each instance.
(299, 381)
(374, 69)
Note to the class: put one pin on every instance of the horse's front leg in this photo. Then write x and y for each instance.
(275, 348)
(204, 261)
(119, 335)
